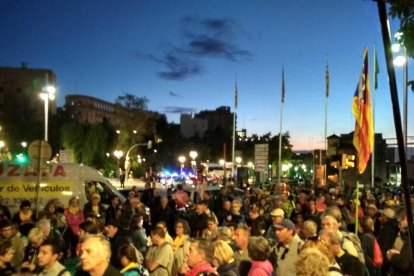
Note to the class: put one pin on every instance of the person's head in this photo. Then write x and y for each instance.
(25, 206)
(309, 229)
(50, 206)
(7, 229)
(157, 235)
(137, 221)
(312, 204)
(235, 206)
(227, 205)
(44, 225)
(200, 208)
(386, 215)
(127, 254)
(200, 251)
(6, 252)
(95, 254)
(367, 225)
(115, 200)
(224, 233)
(49, 253)
(163, 225)
(312, 262)
(241, 236)
(285, 231)
(401, 216)
(328, 238)
(87, 228)
(258, 248)
(95, 199)
(182, 227)
(211, 224)
(329, 222)
(277, 216)
(222, 252)
(371, 210)
(74, 202)
(164, 201)
(335, 212)
(112, 227)
(36, 237)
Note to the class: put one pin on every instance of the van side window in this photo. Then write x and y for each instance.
(98, 187)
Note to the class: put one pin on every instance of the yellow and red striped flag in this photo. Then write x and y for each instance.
(361, 108)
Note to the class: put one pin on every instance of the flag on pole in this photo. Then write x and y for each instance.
(327, 80)
(235, 94)
(361, 108)
(283, 86)
(376, 69)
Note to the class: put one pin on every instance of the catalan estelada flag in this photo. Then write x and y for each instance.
(361, 108)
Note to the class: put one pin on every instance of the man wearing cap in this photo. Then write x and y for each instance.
(200, 221)
(117, 238)
(387, 233)
(400, 260)
(288, 248)
(277, 216)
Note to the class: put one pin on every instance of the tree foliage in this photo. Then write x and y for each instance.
(404, 10)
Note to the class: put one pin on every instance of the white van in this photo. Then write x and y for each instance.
(57, 180)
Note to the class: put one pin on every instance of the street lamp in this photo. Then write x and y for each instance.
(118, 154)
(181, 159)
(48, 93)
(193, 155)
(238, 160)
(402, 61)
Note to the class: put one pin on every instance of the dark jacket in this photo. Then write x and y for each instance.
(119, 239)
(198, 225)
(231, 269)
(400, 264)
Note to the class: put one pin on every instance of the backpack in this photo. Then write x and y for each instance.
(377, 258)
(357, 244)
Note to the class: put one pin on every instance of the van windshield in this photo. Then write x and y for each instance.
(92, 186)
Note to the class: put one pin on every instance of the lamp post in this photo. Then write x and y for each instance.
(193, 155)
(402, 61)
(48, 93)
(181, 159)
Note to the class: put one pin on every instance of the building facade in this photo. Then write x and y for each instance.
(86, 109)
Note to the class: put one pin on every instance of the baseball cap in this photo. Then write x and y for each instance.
(388, 212)
(286, 223)
(277, 213)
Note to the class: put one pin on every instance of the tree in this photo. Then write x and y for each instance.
(404, 10)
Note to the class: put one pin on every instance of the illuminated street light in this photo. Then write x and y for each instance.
(48, 93)
(118, 154)
(193, 155)
(238, 160)
(181, 159)
(24, 144)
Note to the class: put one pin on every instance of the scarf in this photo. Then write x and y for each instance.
(95, 209)
(24, 217)
(129, 266)
(178, 242)
(73, 210)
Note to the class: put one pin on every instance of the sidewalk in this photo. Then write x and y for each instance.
(128, 184)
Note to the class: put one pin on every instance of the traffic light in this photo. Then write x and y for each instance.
(348, 161)
(21, 158)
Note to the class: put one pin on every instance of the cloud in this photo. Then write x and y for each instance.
(172, 94)
(202, 39)
(179, 110)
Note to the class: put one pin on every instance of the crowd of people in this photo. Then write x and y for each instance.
(305, 232)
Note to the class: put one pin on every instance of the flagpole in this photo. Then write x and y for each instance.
(280, 129)
(326, 117)
(374, 72)
(233, 147)
(382, 11)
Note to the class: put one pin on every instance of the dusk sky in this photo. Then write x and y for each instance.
(184, 55)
